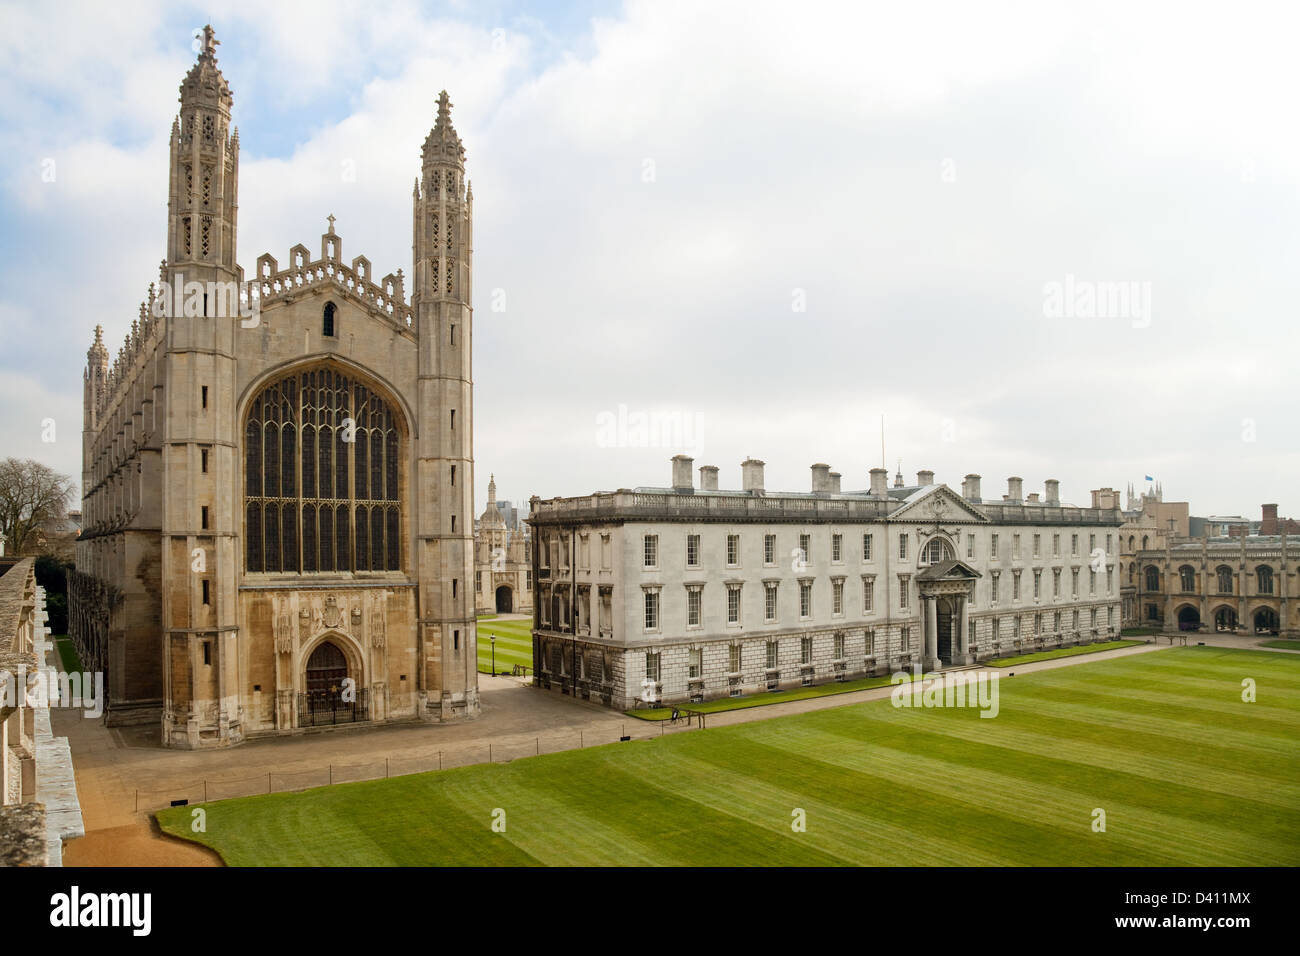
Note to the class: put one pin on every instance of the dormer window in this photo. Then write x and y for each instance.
(327, 325)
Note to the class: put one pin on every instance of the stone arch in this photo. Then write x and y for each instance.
(1263, 617)
(352, 651)
(1224, 617)
(504, 598)
(1188, 617)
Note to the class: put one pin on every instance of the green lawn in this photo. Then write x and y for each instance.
(764, 698)
(71, 661)
(514, 644)
(1284, 645)
(1186, 772)
(1060, 652)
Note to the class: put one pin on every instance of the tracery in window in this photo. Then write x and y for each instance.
(306, 466)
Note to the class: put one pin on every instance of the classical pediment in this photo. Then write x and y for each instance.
(951, 570)
(937, 504)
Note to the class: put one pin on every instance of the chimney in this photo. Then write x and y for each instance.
(879, 483)
(1033, 498)
(1053, 496)
(1268, 522)
(970, 488)
(708, 477)
(751, 476)
(924, 477)
(682, 472)
(821, 478)
(1014, 490)
(1105, 499)
(835, 482)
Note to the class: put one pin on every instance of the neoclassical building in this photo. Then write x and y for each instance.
(686, 593)
(278, 474)
(503, 573)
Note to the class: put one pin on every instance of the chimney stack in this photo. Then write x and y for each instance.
(708, 477)
(682, 472)
(879, 483)
(1053, 496)
(821, 478)
(1015, 488)
(751, 475)
(970, 488)
(835, 482)
(1268, 520)
(925, 477)
(1033, 498)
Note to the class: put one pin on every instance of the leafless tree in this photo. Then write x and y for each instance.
(33, 497)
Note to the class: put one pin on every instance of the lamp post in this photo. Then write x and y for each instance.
(492, 638)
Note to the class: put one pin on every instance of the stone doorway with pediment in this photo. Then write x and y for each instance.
(947, 589)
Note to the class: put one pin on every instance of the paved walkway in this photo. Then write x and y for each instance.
(124, 774)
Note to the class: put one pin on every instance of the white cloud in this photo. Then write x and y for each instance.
(919, 173)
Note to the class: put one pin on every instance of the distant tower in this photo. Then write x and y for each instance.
(898, 478)
(442, 247)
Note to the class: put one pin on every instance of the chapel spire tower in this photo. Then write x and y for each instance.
(442, 241)
(203, 200)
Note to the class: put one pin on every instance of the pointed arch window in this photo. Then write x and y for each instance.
(321, 477)
(327, 321)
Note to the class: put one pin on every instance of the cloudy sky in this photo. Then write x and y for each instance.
(1054, 241)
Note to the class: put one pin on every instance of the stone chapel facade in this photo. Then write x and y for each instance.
(278, 475)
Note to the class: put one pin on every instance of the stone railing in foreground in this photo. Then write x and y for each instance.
(22, 821)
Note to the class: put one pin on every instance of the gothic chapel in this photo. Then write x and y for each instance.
(278, 498)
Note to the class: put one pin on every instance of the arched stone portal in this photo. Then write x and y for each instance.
(332, 694)
(1266, 621)
(1225, 619)
(1189, 618)
(505, 599)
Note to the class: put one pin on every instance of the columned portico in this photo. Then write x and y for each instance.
(932, 633)
(946, 592)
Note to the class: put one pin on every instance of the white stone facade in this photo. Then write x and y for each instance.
(890, 577)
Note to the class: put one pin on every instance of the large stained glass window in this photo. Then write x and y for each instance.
(321, 454)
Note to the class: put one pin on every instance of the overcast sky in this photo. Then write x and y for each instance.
(770, 224)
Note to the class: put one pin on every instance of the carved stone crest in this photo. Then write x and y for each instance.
(332, 615)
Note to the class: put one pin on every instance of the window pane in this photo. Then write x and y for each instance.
(326, 538)
(272, 537)
(342, 537)
(289, 521)
(253, 534)
(394, 541)
(288, 461)
(253, 459)
(363, 552)
(361, 465)
(309, 538)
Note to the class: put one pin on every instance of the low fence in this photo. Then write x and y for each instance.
(502, 750)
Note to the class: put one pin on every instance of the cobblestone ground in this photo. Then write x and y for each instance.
(124, 774)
